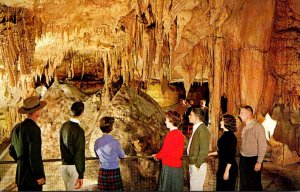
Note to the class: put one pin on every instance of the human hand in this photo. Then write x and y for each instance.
(41, 181)
(193, 168)
(213, 153)
(226, 175)
(79, 183)
(154, 157)
(257, 166)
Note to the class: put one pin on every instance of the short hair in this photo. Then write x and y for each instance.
(199, 112)
(77, 108)
(191, 102)
(106, 124)
(181, 96)
(247, 107)
(174, 118)
(229, 122)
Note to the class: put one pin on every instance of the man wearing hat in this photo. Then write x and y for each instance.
(26, 145)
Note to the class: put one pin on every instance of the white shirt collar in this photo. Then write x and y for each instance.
(171, 129)
(195, 126)
(75, 120)
(250, 122)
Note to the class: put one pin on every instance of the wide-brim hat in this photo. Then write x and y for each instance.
(31, 104)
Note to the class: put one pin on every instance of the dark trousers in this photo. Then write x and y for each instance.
(30, 188)
(250, 180)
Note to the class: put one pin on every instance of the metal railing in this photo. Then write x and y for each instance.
(138, 174)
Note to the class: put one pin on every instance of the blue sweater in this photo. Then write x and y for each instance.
(108, 150)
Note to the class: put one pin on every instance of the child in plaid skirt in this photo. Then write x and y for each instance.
(109, 151)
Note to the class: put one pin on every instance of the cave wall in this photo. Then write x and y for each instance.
(284, 72)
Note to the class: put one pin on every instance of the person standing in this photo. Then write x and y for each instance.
(197, 150)
(171, 177)
(25, 148)
(72, 148)
(109, 151)
(227, 166)
(205, 110)
(41, 90)
(186, 125)
(182, 106)
(253, 149)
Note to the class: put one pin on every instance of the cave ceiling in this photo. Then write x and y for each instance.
(138, 40)
(166, 41)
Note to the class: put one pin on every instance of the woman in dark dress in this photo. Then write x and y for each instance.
(227, 169)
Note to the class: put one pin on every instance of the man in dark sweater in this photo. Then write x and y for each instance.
(72, 148)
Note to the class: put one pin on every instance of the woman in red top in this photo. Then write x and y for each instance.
(171, 176)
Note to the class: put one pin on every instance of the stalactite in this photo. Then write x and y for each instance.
(7, 62)
(113, 65)
(173, 35)
(27, 42)
(72, 67)
(82, 69)
(166, 57)
(145, 56)
(124, 68)
(109, 66)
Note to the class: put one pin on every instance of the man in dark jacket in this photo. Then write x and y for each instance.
(26, 145)
(205, 110)
(72, 148)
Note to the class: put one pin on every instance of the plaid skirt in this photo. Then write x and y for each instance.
(110, 180)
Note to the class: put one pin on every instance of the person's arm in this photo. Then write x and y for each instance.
(204, 147)
(262, 147)
(95, 149)
(79, 155)
(35, 153)
(213, 153)
(164, 150)
(12, 152)
(226, 172)
(120, 151)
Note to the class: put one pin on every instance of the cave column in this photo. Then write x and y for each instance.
(255, 35)
(215, 87)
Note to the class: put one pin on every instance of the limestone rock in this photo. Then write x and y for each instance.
(139, 122)
(281, 154)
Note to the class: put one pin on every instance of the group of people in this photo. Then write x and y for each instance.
(252, 152)
(26, 145)
(30, 176)
(171, 177)
(184, 108)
